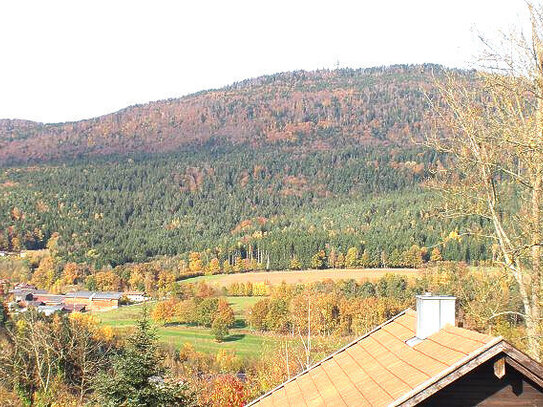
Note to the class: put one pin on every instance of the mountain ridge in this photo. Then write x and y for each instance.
(313, 109)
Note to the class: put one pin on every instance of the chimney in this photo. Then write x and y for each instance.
(433, 313)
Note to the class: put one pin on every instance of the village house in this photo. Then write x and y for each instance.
(417, 359)
(25, 286)
(25, 292)
(135, 296)
(27, 295)
(94, 300)
(49, 309)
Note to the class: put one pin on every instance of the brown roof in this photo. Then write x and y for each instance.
(380, 368)
(74, 307)
(49, 298)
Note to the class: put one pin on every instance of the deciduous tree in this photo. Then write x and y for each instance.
(493, 138)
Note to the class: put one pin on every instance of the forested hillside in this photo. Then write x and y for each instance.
(316, 110)
(290, 170)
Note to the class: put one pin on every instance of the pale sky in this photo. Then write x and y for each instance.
(74, 59)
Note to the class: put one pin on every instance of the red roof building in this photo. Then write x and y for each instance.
(417, 359)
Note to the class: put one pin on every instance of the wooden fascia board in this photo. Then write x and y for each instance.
(524, 364)
(513, 357)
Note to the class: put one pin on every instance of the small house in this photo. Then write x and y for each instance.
(135, 296)
(25, 294)
(417, 359)
(25, 286)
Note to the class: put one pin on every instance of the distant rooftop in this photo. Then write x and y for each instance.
(80, 294)
(98, 295)
(108, 295)
(48, 297)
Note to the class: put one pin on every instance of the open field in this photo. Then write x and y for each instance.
(301, 276)
(123, 316)
(245, 344)
(241, 304)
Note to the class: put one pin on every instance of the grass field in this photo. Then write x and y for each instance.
(242, 341)
(241, 304)
(302, 276)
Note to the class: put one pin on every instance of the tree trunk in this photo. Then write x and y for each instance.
(534, 327)
(533, 331)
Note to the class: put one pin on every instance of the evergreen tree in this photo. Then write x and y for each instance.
(137, 377)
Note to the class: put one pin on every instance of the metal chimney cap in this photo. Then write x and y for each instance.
(430, 296)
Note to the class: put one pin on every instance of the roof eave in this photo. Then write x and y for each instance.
(454, 372)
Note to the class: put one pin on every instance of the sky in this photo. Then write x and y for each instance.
(76, 59)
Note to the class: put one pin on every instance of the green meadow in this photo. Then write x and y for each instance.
(245, 343)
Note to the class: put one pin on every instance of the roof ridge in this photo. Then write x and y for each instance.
(352, 343)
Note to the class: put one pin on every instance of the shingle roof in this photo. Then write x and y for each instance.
(379, 368)
(49, 309)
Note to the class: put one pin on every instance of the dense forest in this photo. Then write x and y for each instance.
(271, 206)
(286, 171)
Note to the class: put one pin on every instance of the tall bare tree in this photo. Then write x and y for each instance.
(493, 139)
